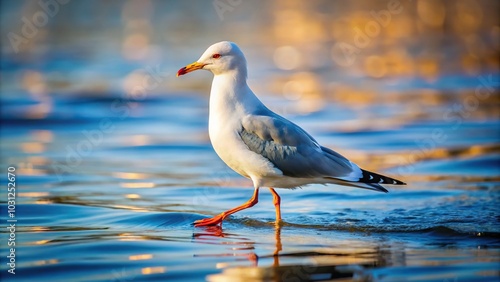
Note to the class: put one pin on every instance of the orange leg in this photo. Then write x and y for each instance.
(220, 217)
(277, 202)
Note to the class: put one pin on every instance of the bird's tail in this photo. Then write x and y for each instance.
(372, 177)
(369, 180)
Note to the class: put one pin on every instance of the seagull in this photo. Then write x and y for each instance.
(263, 146)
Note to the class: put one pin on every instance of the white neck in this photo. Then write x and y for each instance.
(230, 94)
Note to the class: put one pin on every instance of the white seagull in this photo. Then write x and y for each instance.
(262, 145)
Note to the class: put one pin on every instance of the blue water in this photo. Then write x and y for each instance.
(124, 211)
(108, 184)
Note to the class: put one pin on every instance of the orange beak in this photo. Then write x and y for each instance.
(189, 68)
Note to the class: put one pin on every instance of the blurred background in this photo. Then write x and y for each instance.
(299, 50)
(95, 122)
(378, 59)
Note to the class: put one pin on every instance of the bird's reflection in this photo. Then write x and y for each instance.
(279, 246)
(210, 231)
(328, 262)
(213, 232)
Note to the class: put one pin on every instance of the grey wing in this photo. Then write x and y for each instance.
(292, 150)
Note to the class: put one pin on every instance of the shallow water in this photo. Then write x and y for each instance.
(124, 211)
(108, 183)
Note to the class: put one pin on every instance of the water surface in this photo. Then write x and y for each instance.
(124, 212)
(109, 178)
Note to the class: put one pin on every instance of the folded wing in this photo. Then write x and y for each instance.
(293, 151)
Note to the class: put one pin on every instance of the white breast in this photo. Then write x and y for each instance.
(226, 112)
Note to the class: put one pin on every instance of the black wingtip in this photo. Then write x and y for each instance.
(371, 177)
(398, 182)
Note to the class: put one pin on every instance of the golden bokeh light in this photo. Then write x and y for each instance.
(431, 12)
(141, 257)
(38, 229)
(33, 194)
(46, 262)
(153, 270)
(32, 147)
(133, 196)
(130, 175)
(137, 185)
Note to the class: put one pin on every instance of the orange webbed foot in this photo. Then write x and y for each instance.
(216, 220)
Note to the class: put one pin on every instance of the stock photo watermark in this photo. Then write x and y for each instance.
(11, 219)
(91, 139)
(124, 275)
(223, 6)
(31, 26)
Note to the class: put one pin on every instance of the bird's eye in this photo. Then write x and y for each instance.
(216, 56)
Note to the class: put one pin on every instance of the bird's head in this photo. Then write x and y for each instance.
(219, 58)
